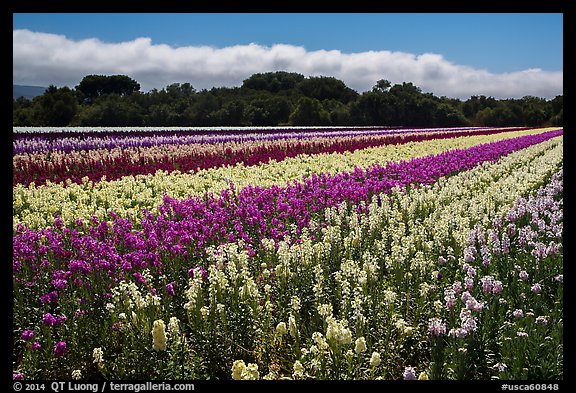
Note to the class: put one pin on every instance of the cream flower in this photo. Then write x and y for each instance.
(159, 335)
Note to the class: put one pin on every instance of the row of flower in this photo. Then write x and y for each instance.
(90, 140)
(120, 161)
(35, 206)
(228, 130)
(446, 280)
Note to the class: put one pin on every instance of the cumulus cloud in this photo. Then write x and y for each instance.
(42, 59)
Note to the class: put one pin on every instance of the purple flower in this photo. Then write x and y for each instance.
(59, 320)
(518, 313)
(170, 289)
(49, 297)
(140, 278)
(497, 287)
(458, 332)
(48, 320)
(60, 349)
(60, 284)
(536, 288)
(457, 287)
(17, 376)
(27, 335)
(473, 305)
(487, 284)
(449, 298)
(410, 374)
(468, 256)
(523, 275)
(559, 278)
(35, 346)
(437, 327)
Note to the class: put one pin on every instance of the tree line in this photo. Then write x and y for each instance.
(272, 99)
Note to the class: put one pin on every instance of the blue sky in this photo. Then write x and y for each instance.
(430, 49)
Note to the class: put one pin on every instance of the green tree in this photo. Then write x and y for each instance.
(273, 81)
(111, 110)
(56, 107)
(94, 86)
(309, 112)
(326, 88)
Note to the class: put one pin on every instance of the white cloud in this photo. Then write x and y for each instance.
(42, 59)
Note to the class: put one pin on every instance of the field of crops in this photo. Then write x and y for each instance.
(334, 253)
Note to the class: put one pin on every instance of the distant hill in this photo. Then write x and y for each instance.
(28, 92)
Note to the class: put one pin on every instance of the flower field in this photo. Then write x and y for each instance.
(288, 254)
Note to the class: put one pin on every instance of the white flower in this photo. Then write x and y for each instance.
(251, 372)
(295, 304)
(325, 310)
(174, 326)
(319, 340)
(292, 327)
(98, 356)
(375, 359)
(298, 370)
(360, 346)
(238, 368)
(76, 374)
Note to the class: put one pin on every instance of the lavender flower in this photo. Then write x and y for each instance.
(410, 374)
(436, 327)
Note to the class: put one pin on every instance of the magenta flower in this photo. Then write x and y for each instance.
(17, 376)
(35, 346)
(48, 320)
(27, 335)
(60, 349)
